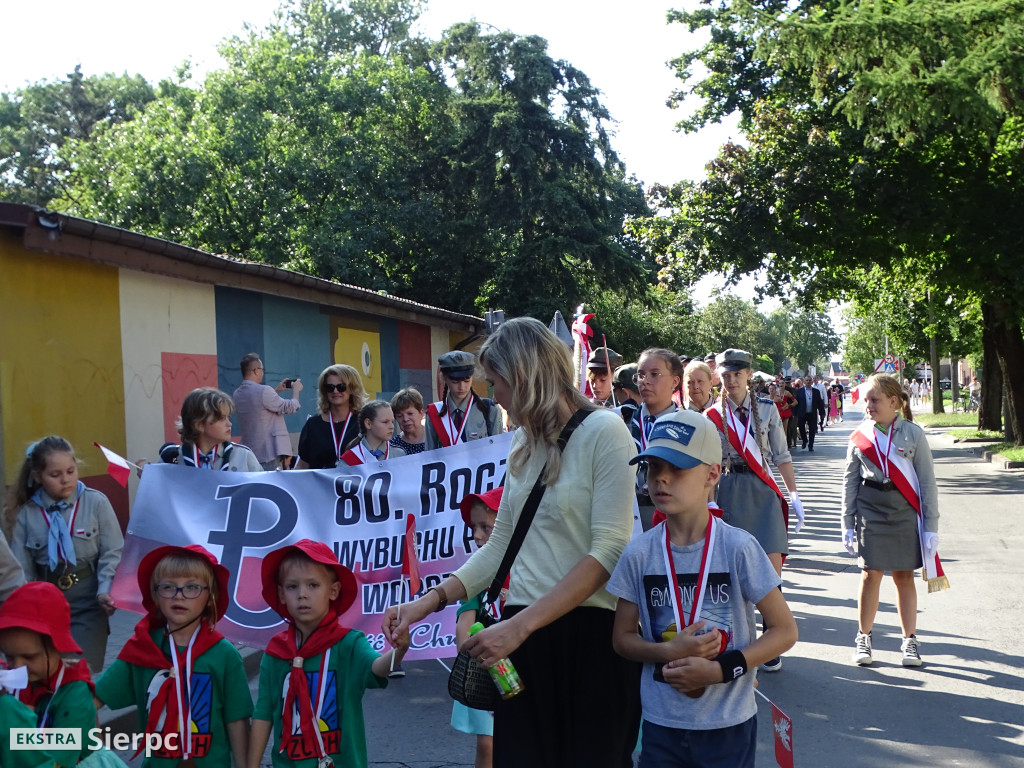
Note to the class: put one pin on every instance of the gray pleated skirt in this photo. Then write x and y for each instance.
(749, 504)
(90, 626)
(886, 531)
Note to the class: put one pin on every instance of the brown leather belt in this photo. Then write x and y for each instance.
(65, 578)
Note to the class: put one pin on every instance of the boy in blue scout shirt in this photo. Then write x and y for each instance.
(692, 583)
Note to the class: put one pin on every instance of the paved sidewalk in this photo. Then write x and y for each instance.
(966, 705)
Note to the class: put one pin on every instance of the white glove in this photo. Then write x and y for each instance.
(931, 544)
(798, 507)
(850, 541)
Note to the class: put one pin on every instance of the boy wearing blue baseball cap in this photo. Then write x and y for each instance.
(692, 583)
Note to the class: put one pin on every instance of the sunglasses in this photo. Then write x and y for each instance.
(335, 387)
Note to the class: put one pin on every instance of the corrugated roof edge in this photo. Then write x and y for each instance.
(19, 215)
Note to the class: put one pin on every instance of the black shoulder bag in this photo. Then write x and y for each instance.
(469, 683)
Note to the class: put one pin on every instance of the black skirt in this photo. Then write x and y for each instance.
(581, 703)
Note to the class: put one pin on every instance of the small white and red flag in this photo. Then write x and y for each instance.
(783, 728)
(119, 467)
(410, 562)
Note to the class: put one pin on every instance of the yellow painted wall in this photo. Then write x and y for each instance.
(60, 363)
(361, 349)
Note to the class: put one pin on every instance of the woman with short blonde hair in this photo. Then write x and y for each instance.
(324, 437)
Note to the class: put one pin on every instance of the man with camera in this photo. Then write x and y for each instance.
(261, 411)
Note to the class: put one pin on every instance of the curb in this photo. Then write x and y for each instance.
(1001, 461)
(126, 720)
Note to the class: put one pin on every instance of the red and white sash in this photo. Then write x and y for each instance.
(356, 456)
(877, 448)
(743, 440)
(447, 433)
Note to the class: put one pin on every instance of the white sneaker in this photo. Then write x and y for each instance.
(862, 649)
(911, 652)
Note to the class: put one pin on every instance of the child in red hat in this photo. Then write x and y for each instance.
(187, 681)
(314, 673)
(479, 511)
(35, 629)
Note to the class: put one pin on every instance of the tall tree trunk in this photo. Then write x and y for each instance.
(933, 361)
(1007, 424)
(954, 379)
(990, 412)
(1009, 343)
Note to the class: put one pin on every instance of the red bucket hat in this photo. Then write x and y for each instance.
(318, 552)
(41, 607)
(491, 499)
(149, 563)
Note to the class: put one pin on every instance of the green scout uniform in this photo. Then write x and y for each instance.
(343, 730)
(220, 695)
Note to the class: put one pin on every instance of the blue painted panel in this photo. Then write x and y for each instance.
(239, 331)
(296, 342)
(391, 374)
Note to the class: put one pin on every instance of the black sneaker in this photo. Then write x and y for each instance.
(397, 672)
(772, 665)
(911, 652)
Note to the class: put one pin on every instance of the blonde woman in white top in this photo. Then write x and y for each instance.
(580, 706)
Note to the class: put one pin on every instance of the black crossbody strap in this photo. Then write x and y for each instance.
(529, 510)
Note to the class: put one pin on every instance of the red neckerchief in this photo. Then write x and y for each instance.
(282, 646)
(142, 651)
(78, 670)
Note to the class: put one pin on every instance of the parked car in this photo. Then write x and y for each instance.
(945, 384)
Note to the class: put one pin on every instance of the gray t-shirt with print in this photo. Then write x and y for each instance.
(740, 575)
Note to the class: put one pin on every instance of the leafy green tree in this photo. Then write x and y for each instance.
(810, 339)
(532, 152)
(731, 322)
(665, 319)
(37, 120)
(469, 172)
(815, 199)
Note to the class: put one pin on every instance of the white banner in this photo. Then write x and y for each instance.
(240, 517)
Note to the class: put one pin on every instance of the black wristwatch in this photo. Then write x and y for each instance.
(442, 598)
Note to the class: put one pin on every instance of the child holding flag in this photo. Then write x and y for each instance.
(68, 535)
(187, 681)
(692, 583)
(479, 511)
(890, 512)
(314, 673)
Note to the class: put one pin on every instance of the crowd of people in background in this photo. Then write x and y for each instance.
(693, 443)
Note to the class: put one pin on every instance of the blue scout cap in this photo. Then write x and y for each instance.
(684, 439)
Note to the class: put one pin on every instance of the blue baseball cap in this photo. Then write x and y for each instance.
(684, 439)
